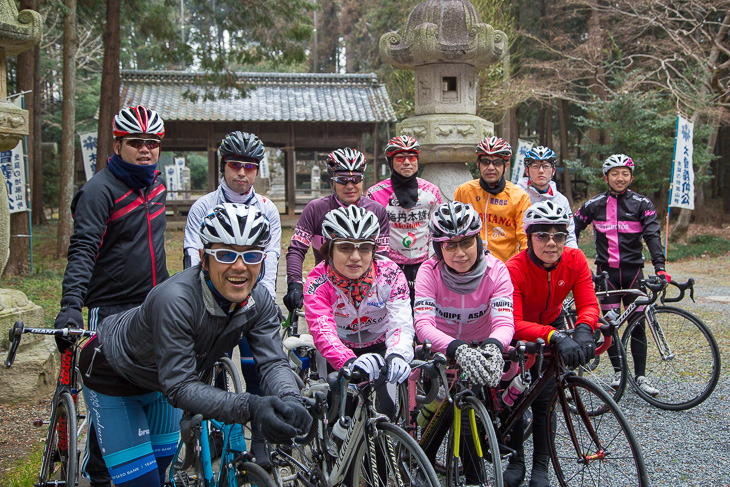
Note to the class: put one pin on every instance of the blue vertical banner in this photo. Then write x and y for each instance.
(682, 191)
(88, 153)
(12, 166)
(518, 170)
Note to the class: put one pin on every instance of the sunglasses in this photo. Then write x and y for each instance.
(467, 243)
(137, 143)
(237, 165)
(405, 157)
(493, 162)
(558, 237)
(344, 180)
(228, 256)
(349, 247)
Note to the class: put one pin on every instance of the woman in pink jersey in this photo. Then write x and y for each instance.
(464, 302)
(356, 303)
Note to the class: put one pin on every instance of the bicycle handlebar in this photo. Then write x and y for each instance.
(682, 288)
(18, 329)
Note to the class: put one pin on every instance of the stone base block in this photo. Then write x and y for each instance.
(447, 176)
(34, 373)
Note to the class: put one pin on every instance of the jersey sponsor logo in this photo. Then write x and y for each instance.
(502, 306)
(409, 240)
(376, 304)
(312, 288)
(141, 432)
(561, 283)
(407, 226)
(408, 216)
(448, 316)
(498, 232)
(498, 201)
(478, 314)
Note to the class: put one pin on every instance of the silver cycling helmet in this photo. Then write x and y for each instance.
(235, 224)
(454, 219)
(241, 144)
(545, 213)
(350, 223)
(618, 160)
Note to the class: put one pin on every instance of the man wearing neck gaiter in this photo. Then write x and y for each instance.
(240, 155)
(500, 203)
(116, 254)
(409, 201)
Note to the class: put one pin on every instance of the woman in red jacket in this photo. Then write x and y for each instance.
(543, 275)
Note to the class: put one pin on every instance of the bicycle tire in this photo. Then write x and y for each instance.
(601, 370)
(225, 376)
(578, 460)
(248, 474)
(690, 376)
(413, 468)
(60, 455)
(489, 468)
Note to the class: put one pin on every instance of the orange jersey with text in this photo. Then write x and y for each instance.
(501, 215)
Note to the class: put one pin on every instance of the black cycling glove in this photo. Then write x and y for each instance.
(568, 349)
(583, 336)
(299, 416)
(69, 317)
(274, 417)
(294, 298)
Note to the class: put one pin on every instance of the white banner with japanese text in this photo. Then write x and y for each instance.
(683, 175)
(88, 153)
(12, 165)
(519, 168)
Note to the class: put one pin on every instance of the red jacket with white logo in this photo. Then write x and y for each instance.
(539, 294)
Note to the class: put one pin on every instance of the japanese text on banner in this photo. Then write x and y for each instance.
(683, 175)
(519, 168)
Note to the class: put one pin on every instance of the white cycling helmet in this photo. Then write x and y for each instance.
(346, 159)
(545, 213)
(618, 160)
(138, 120)
(235, 224)
(454, 219)
(350, 223)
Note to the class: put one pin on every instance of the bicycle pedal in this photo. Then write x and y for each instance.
(39, 422)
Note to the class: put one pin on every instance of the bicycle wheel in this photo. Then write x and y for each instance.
(472, 441)
(598, 450)
(60, 455)
(246, 474)
(682, 361)
(398, 462)
(602, 372)
(225, 376)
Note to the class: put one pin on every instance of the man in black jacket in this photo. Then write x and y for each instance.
(116, 254)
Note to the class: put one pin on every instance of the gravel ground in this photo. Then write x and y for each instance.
(686, 448)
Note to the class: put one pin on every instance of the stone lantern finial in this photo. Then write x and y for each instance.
(445, 42)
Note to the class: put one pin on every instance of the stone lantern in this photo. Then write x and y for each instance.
(445, 43)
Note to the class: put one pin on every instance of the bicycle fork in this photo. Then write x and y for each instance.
(600, 453)
(457, 431)
(657, 332)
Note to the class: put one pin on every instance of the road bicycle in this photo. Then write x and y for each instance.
(370, 450)
(459, 437)
(585, 449)
(212, 453)
(59, 464)
(682, 356)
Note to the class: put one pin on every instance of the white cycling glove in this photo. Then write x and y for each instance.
(398, 369)
(481, 369)
(370, 363)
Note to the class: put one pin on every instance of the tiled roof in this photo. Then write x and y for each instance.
(272, 97)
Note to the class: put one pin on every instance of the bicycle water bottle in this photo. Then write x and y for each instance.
(428, 410)
(341, 427)
(612, 315)
(513, 391)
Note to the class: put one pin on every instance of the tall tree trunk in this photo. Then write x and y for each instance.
(109, 98)
(541, 126)
(597, 85)
(67, 136)
(36, 192)
(563, 122)
(19, 251)
(702, 170)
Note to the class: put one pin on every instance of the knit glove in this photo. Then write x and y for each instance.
(478, 368)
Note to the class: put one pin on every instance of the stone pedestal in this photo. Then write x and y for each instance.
(34, 373)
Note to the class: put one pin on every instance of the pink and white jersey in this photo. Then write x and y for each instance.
(442, 315)
(409, 237)
(384, 316)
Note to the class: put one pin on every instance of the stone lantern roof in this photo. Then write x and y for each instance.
(444, 31)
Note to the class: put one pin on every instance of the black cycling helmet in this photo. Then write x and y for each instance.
(243, 145)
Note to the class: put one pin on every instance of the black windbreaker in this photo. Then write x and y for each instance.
(619, 223)
(117, 252)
